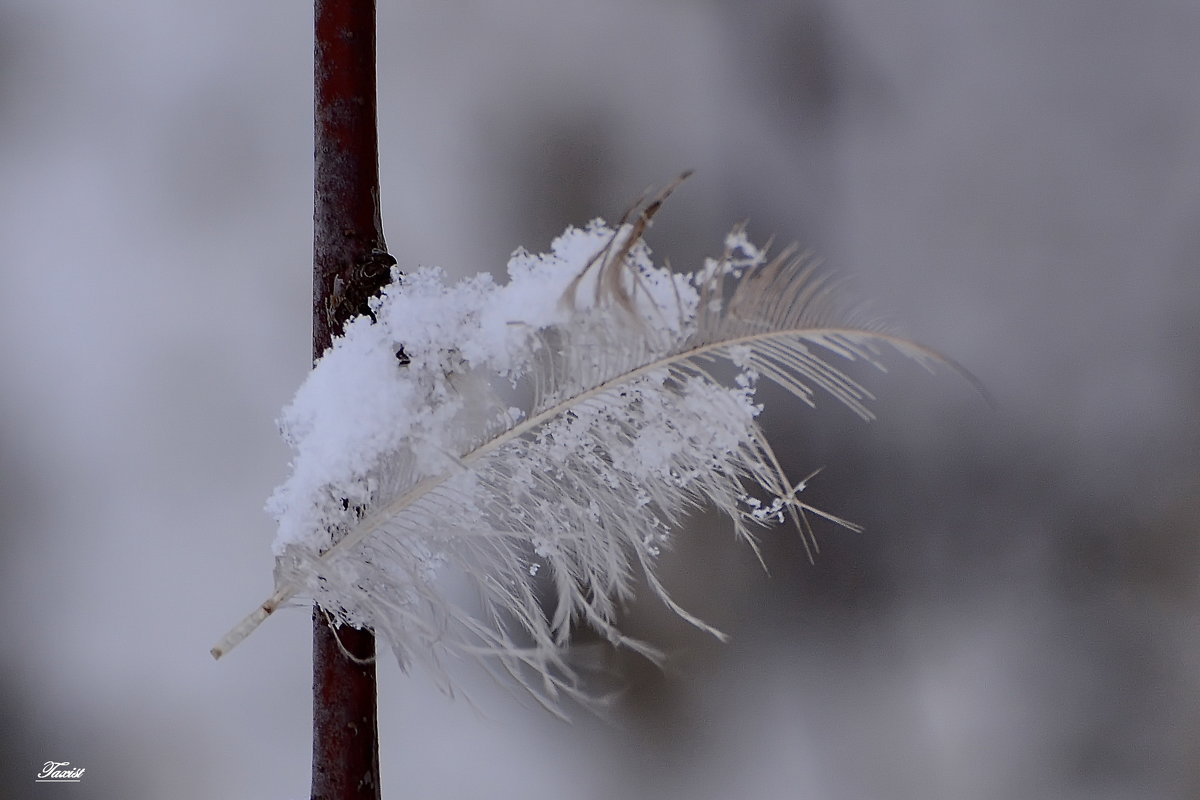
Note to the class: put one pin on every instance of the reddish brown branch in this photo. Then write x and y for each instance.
(346, 232)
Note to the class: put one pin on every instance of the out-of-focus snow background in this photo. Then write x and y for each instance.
(1016, 182)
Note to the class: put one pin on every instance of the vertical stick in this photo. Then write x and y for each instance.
(346, 232)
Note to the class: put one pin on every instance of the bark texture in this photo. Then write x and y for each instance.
(349, 265)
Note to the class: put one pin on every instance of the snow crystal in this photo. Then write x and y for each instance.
(362, 402)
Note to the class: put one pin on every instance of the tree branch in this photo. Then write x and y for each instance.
(347, 246)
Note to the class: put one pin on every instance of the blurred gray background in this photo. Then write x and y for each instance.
(1015, 182)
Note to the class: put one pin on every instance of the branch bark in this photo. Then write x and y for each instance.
(347, 267)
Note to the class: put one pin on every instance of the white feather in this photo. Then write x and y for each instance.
(629, 425)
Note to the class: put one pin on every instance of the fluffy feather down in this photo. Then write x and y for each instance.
(413, 472)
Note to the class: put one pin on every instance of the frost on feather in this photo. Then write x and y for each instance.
(541, 440)
(463, 344)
